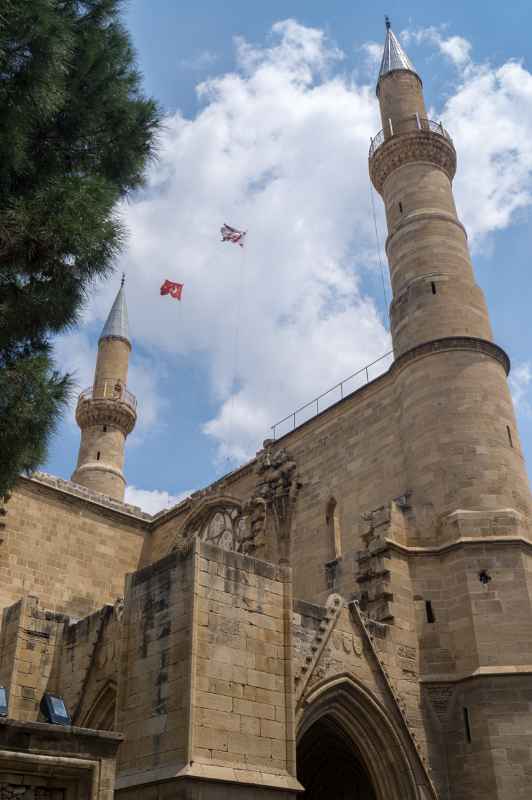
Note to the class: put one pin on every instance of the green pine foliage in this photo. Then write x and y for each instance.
(76, 133)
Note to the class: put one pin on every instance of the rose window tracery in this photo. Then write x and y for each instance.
(223, 527)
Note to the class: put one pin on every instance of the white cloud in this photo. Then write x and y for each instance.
(490, 117)
(152, 501)
(372, 52)
(521, 387)
(280, 150)
(455, 48)
(199, 61)
(279, 147)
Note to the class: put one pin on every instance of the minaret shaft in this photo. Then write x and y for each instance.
(434, 290)
(106, 413)
(112, 362)
(457, 414)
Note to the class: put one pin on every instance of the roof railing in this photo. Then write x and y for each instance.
(109, 390)
(406, 125)
(362, 374)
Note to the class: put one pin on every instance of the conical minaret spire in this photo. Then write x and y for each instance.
(394, 57)
(117, 325)
(106, 412)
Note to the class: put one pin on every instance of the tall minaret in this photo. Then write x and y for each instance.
(106, 412)
(459, 431)
(467, 537)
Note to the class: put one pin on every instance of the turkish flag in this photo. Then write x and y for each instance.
(173, 289)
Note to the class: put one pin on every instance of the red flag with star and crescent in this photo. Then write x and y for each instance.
(173, 289)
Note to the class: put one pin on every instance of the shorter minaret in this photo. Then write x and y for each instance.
(106, 412)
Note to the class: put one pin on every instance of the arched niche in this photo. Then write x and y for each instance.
(348, 747)
(332, 519)
(101, 714)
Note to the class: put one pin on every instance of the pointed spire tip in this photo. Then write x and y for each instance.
(393, 57)
(116, 326)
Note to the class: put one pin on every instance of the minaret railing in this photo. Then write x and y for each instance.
(406, 125)
(109, 390)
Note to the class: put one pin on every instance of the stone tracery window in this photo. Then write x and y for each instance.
(221, 525)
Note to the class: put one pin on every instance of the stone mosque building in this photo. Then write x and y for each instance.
(349, 615)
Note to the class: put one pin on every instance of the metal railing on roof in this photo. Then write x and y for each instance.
(109, 390)
(406, 125)
(358, 379)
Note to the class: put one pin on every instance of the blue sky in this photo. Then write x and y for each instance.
(275, 140)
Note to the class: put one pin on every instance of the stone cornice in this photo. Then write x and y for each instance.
(75, 492)
(452, 343)
(421, 216)
(465, 541)
(100, 466)
(415, 146)
(481, 672)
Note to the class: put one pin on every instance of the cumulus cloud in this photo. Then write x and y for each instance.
(372, 52)
(455, 48)
(279, 148)
(152, 501)
(490, 117)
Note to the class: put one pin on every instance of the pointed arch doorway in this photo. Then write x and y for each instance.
(348, 748)
(328, 766)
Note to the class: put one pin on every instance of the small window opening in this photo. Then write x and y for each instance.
(429, 611)
(467, 726)
(105, 428)
(98, 456)
(433, 287)
(509, 432)
(484, 577)
(400, 207)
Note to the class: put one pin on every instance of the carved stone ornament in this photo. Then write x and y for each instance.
(441, 697)
(419, 145)
(277, 490)
(119, 608)
(223, 522)
(3, 511)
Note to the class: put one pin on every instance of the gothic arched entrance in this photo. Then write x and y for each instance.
(328, 766)
(348, 748)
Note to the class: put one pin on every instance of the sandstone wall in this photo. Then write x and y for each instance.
(205, 684)
(70, 552)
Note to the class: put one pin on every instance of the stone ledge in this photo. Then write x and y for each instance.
(82, 493)
(200, 770)
(448, 343)
(422, 216)
(57, 730)
(481, 672)
(446, 547)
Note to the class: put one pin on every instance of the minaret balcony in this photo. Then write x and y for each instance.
(411, 138)
(407, 125)
(108, 401)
